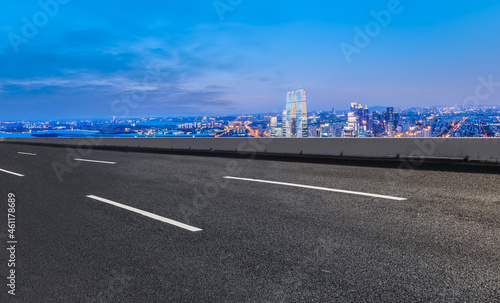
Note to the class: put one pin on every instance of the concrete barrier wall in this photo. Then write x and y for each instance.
(468, 149)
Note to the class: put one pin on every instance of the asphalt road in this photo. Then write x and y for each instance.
(438, 240)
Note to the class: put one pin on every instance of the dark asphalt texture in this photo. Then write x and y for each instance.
(260, 242)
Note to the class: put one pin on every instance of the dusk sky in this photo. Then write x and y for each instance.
(97, 59)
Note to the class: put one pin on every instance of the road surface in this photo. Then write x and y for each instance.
(118, 226)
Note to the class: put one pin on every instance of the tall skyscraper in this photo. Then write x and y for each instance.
(273, 126)
(274, 122)
(390, 114)
(391, 124)
(359, 112)
(283, 124)
(353, 106)
(351, 130)
(366, 118)
(296, 115)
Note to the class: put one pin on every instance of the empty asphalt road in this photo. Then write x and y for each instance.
(115, 226)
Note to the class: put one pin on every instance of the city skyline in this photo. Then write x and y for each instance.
(63, 61)
(357, 122)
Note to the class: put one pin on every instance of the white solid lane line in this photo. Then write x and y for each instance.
(147, 214)
(95, 161)
(320, 188)
(12, 173)
(28, 154)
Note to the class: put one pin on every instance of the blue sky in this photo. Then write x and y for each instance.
(95, 59)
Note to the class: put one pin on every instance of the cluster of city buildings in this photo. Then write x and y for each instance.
(360, 122)
(294, 122)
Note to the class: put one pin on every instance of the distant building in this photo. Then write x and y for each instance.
(313, 131)
(391, 121)
(362, 132)
(354, 105)
(274, 121)
(366, 118)
(283, 126)
(273, 125)
(326, 130)
(295, 118)
(426, 132)
(359, 113)
(351, 130)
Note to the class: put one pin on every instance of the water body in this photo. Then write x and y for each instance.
(83, 133)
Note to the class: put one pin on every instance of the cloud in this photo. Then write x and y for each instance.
(186, 59)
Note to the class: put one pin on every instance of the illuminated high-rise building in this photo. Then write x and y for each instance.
(351, 129)
(295, 119)
(354, 105)
(359, 112)
(366, 118)
(273, 126)
(390, 120)
(274, 122)
(283, 124)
